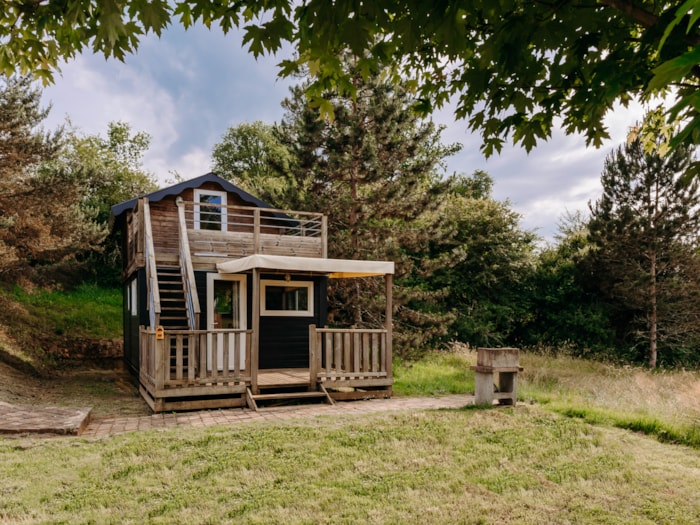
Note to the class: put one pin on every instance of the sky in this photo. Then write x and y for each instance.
(188, 87)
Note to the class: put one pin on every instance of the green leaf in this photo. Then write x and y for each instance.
(674, 70)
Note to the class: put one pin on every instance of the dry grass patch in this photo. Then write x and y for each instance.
(664, 403)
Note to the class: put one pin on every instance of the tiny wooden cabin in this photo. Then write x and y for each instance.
(225, 302)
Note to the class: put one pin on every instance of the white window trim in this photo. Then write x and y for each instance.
(309, 285)
(197, 199)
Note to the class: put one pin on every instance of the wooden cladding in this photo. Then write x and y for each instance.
(245, 231)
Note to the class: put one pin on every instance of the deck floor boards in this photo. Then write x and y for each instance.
(283, 377)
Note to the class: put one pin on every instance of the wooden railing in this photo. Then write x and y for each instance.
(198, 362)
(257, 230)
(187, 270)
(151, 271)
(350, 357)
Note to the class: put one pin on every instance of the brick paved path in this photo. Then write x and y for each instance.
(56, 420)
(120, 425)
(230, 416)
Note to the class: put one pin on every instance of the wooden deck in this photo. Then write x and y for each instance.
(283, 377)
(195, 369)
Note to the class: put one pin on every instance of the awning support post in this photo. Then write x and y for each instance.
(255, 346)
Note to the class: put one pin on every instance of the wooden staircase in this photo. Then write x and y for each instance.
(287, 396)
(173, 309)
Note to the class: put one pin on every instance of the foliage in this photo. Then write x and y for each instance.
(252, 157)
(374, 170)
(109, 170)
(480, 262)
(41, 218)
(566, 309)
(513, 66)
(645, 230)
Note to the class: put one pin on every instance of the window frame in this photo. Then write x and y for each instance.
(308, 285)
(198, 193)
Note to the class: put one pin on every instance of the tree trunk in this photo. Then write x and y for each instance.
(653, 317)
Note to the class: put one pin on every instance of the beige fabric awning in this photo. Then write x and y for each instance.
(335, 268)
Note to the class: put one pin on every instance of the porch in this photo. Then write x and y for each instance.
(196, 369)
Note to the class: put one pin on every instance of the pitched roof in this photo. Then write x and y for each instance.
(177, 189)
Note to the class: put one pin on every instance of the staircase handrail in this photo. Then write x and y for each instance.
(193, 309)
(151, 270)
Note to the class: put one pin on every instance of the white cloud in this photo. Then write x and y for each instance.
(186, 88)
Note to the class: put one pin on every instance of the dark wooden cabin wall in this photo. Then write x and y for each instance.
(284, 341)
(133, 323)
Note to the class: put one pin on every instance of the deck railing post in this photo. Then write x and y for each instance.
(159, 373)
(313, 358)
(388, 322)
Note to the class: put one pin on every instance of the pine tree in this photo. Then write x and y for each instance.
(645, 230)
(40, 217)
(374, 170)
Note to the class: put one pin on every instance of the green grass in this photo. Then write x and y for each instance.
(438, 373)
(663, 404)
(523, 465)
(89, 311)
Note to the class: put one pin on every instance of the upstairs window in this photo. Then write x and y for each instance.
(210, 210)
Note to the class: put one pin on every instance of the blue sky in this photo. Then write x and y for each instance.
(186, 88)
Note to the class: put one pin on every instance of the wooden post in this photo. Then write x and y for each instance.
(324, 237)
(313, 358)
(388, 323)
(160, 362)
(256, 230)
(255, 339)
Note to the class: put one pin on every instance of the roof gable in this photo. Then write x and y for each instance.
(118, 209)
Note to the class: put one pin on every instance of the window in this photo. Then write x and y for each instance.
(287, 298)
(209, 210)
(133, 297)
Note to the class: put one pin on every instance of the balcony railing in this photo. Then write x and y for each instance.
(217, 230)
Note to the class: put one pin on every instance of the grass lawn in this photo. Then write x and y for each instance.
(588, 443)
(522, 465)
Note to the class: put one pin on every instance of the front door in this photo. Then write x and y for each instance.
(226, 310)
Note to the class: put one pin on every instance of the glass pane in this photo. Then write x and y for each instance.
(210, 212)
(286, 298)
(227, 298)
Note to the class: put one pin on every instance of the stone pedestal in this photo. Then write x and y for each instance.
(504, 362)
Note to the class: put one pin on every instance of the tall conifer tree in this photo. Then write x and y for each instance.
(645, 228)
(374, 169)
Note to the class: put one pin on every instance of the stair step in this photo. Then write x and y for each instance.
(288, 395)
